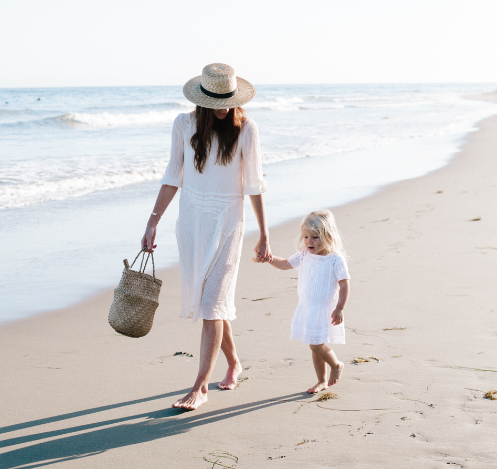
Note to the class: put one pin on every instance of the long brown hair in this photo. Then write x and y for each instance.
(227, 131)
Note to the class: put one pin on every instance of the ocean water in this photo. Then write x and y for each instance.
(79, 169)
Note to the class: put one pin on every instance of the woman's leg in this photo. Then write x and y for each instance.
(219, 284)
(320, 368)
(326, 354)
(229, 350)
(212, 334)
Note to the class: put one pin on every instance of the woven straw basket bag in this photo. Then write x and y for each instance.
(135, 300)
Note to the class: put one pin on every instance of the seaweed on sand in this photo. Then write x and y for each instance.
(182, 354)
(322, 398)
(490, 395)
(326, 396)
(306, 441)
(358, 360)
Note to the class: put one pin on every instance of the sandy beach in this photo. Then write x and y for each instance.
(75, 394)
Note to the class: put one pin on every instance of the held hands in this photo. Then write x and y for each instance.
(337, 317)
(260, 260)
(262, 251)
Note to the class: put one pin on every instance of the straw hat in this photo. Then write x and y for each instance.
(218, 88)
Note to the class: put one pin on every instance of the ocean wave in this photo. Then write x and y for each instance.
(392, 105)
(69, 181)
(106, 119)
(277, 104)
(19, 195)
(341, 99)
(324, 103)
(313, 108)
(11, 116)
(180, 105)
(15, 112)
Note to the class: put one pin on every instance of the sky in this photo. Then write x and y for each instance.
(54, 43)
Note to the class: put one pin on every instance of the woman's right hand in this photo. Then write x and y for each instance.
(149, 238)
(166, 194)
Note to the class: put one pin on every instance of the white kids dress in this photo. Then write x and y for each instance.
(209, 229)
(318, 296)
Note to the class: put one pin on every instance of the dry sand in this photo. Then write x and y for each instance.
(74, 394)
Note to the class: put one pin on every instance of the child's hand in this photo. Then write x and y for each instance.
(258, 259)
(261, 260)
(337, 317)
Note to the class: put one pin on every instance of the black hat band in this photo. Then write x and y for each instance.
(218, 95)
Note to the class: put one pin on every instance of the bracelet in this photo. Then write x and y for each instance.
(157, 215)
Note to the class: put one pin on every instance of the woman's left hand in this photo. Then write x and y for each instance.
(262, 250)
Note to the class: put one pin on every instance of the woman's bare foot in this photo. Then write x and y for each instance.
(229, 381)
(318, 387)
(192, 401)
(335, 374)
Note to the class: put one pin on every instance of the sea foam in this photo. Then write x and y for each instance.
(107, 119)
(21, 194)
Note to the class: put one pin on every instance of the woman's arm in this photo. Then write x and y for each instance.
(262, 248)
(166, 194)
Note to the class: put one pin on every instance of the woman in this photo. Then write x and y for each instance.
(215, 159)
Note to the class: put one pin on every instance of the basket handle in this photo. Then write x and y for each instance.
(143, 267)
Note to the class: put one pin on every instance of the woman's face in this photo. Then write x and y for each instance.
(221, 113)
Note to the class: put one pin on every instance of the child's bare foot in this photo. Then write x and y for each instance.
(192, 401)
(229, 381)
(318, 387)
(335, 374)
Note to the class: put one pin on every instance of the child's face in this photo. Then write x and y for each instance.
(313, 243)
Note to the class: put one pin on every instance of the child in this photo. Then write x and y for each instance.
(323, 289)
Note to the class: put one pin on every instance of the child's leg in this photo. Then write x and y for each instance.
(326, 354)
(320, 368)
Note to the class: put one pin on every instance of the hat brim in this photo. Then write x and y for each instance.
(192, 92)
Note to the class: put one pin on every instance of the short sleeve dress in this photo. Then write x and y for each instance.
(318, 296)
(210, 225)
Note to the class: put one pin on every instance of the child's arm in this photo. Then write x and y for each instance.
(277, 262)
(337, 315)
(280, 263)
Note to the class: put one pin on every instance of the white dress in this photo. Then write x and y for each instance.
(209, 229)
(318, 296)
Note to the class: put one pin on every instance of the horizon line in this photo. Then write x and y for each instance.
(263, 84)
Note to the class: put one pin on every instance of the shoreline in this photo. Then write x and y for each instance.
(422, 254)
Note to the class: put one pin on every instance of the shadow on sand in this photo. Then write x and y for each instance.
(95, 440)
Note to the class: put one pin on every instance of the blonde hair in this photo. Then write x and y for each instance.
(323, 223)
